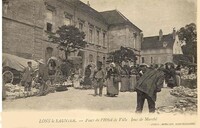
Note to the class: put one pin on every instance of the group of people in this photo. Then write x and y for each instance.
(145, 81)
(41, 78)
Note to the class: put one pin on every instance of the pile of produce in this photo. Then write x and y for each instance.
(183, 92)
(16, 91)
(186, 102)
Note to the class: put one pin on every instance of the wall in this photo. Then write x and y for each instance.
(159, 56)
(24, 26)
(18, 28)
(80, 16)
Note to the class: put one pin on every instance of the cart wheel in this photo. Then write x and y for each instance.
(8, 77)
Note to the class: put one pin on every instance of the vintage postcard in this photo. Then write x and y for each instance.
(99, 63)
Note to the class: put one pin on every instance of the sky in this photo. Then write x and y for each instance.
(152, 15)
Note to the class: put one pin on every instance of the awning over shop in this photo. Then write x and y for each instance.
(15, 62)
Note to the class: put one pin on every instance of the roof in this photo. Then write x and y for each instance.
(114, 17)
(153, 42)
(84, 7)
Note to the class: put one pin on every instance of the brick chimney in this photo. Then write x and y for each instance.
(88, 3)
(160, 35)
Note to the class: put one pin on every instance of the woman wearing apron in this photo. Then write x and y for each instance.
(112, 81)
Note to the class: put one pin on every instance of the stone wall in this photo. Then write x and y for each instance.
(157, 56)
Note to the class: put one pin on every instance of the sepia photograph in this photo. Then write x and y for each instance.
(128, 56)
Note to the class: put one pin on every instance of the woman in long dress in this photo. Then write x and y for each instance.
(87, 80)
(124, 79)
(76, 78)
(112, 81)
(133, 78)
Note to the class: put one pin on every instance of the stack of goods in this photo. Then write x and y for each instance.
(186, 101)
(189, 81)
(16, 91)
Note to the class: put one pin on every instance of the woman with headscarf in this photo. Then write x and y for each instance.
(76, 77)
(125, 78)
(87, 80)
(113, 79)
(133, 78)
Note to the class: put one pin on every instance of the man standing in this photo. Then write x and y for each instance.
(27, 78)
(98, 79)
(147, 87)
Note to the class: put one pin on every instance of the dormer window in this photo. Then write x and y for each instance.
(67, 18)
(164, 44)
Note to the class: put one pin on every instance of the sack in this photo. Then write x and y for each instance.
(117, 79)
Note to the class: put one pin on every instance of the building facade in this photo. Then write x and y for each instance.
(160, 49)
(122, 32)
(26, 24)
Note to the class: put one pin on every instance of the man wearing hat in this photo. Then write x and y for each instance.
(99, 77)
(27, 77)
(43, 77)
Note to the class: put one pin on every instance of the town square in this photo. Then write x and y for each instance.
(132, 56)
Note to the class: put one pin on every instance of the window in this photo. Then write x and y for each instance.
(49, 27)
(67, 18)
(142, 59)
(49, 20)
(90, 58)
(81, 26)
(90, 35)
(67, 21)
(104, 39)
(98, 36)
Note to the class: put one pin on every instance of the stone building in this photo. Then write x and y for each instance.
(122, 32)
(161, 49)
(26, 24)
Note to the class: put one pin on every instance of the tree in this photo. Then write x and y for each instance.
(123, 54)
(69, 39)
(189, 35)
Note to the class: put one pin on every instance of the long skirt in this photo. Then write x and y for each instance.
(76, 81)
(112, 87)
(87, 82)
(124, 84)
(133, 82)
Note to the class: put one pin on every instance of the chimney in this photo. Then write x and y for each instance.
(160, 35)
(88, 3)
(174, 33)
(142, 37)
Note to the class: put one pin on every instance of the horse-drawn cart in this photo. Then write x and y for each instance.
(13, 67)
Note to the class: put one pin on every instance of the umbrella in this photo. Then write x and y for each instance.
(144, 64)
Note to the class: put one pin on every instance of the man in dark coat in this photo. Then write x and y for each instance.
(147, 87)
(27, 77)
